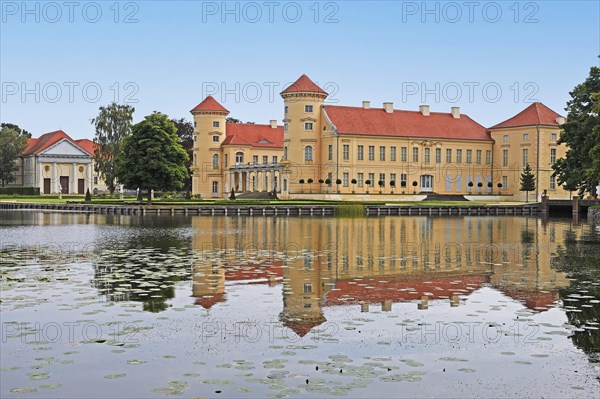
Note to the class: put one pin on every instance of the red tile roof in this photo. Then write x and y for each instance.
(87, 144)
(208, 301)
(45, 141)
(376, 121)
(536, 114)
(304, 85)
(538, 301)
(254, 135)
(209, 104)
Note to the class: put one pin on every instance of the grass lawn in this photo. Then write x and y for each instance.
(54, 199)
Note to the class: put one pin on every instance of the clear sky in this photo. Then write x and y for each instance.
(59, 61)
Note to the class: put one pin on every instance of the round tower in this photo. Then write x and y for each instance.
(303, 124)
(207, 161)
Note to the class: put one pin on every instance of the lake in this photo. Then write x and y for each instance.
(166, 306)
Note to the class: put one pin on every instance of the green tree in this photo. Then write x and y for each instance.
(12, 144)
(20, 132)
(185, 131)
(581, 133)
(527, 181)
(152, 156)
(113, 125)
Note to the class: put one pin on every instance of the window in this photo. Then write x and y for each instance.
(525, 137)
(265, 159)
(458, 156)
(308, 153)
(330, 177)
(215, 161)
(285, 109)
(346, 152)
(285, 127)
(255, 159)
(426, 155)
(469, 156)
(505, 158)
(195, 124)
(371, 153)
(215, 139)
(505, 138)
(330, 152)
(415, 154)
(226, 160)
(274, 159)
(285, 153)
(448, 155)
(478, 157)
(393, 178)
(381, 153)
(381, 179)
(525, 156)
(215, 188)
(360, 179)
(308, 126)
(403, 178)
(403, 154)
(346, 179)
(307, 288)
(360, 152)
(504, 182)
(239, 158)
(552, 183)
(438, 155)
(215, 123)
(96, 177)
(552, 155)
(393, 154)
(372, 179)
(488, 157)
(308, 108)
(553, 136)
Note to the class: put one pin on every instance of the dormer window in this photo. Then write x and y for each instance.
(308, 126)
(263, 141)
(308, 108)
(215, 123)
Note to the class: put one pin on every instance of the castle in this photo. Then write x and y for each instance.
(344, 152)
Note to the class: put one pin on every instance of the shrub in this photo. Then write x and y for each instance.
(19, 191)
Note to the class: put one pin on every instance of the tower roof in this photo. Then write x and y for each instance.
(304, 85)
(209, 104)
(536, 114)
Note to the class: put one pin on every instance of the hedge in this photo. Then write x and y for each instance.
(19, 191)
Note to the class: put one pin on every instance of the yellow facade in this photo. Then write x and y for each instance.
(313, 151)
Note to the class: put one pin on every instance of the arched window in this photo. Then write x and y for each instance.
(308, 153)
(215, 161)
(239, 158)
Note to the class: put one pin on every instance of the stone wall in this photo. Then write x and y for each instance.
(594, 216)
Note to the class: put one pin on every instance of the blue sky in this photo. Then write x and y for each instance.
(60, 61)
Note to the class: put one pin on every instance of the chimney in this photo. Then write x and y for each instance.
(366, 104)
(273, 123)
(424, 109)
(455, 112)
(560, 120)
(389, 107)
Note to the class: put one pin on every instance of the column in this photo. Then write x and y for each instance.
(247, 181)
(228, 184)
(265, 181)
(54, 185)
(89, 177)
(272, 180)
(74, 179)
(40, 177)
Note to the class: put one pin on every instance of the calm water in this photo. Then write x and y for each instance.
(129, 306)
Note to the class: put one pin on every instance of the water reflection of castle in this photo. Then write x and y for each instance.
(329, 262)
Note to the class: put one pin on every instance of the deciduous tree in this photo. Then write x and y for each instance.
(12, 144)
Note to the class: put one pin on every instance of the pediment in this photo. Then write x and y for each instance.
(65, 148)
